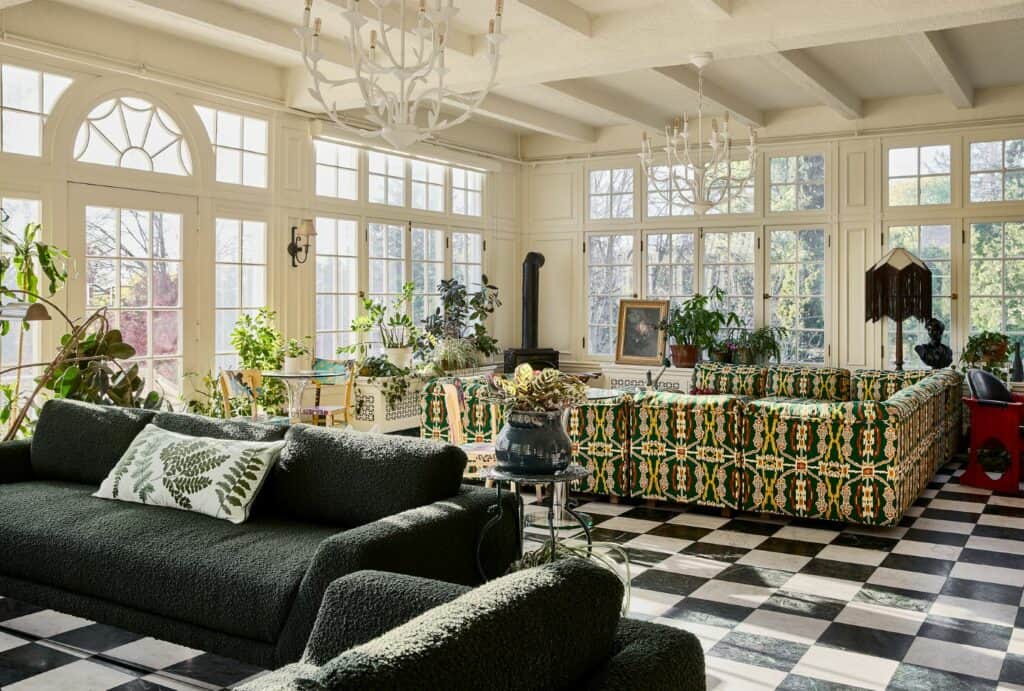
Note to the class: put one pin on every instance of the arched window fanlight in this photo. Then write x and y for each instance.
(128, 132)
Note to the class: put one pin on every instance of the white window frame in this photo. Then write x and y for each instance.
(342, 332)
(60, 84)
(338, 168)
(825, 182)
(32, 337)
(967, 329)
(1002, 171)
(468, 190)
(387, 177)
(261, 152)
(771, 300)
(428, 293)
(429, 186)
(240, 264)
(630, 292)
(611, 194)
(917, 145)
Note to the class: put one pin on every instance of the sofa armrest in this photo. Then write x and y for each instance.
(435, 541)
(15, 461)
(361, 606)
(652, 656)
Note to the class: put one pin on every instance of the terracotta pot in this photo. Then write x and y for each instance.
(684, 355)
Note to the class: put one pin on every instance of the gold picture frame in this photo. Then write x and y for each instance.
(640, 341)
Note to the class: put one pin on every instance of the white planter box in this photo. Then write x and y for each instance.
(676, 379)
(370, 411)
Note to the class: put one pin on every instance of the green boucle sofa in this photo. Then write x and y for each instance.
(335, 503)
(552, 627)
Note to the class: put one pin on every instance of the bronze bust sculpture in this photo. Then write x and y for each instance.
(934, 353)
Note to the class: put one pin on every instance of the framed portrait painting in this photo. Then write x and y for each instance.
(640, 341)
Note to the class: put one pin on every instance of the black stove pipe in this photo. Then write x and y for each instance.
(531, 298)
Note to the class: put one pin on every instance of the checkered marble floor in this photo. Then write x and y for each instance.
(790, 604)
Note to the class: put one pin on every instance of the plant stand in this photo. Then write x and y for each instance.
(370, 411)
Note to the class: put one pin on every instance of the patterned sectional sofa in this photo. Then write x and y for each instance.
(798, 441)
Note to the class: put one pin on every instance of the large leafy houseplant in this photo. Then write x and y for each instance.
(455, 336)
(760, 345)
(988, 350)
(694, 325)
(260, 346)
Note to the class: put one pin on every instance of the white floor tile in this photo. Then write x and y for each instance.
(974, 610)
(630, 525)
(651, 603)
(908, 580)
(1004, 501)
(953, 505)
(959, 527)
(927, 549)
(83, 675)
(823, 586)
(152, 653)
(807, 534)
(693, 565)
(1016, 642)
(727, 675)
(46, 623)
(732, 538)
(852, 555)
(658, 543)
(845, 667)
(708, 635)
(874, 616)
(1001, 521)
(8, 641)
(605, 509)
(788, 627)
(774, 560)
(994, 544)
(954, 657)
(699, 520)
(733, 593)
(988, 574)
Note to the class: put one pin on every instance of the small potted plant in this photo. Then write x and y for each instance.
(988, 350)
(455, 336)
(533, 440)
(724, 350)
(393, 325)
(759, 346)
(296, 355)
(694, 326)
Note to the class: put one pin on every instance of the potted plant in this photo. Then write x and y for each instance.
(723, 350)
(455, 336)
(533, 440)
(988, 350)
(694, 326)
(759, 346)
(393, 325)
(296, 355)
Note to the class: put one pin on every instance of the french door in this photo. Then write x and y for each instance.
(132, 252)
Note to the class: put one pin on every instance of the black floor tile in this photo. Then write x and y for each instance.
(96, 638)
(999, 532)
(648, 514)
(708, 612)
(617, 536)
(755, 575)
(1013, 669)
(976, 633)
(986, 592)
(741, 525)
(874, 642)
(716, 552)
(760, 651)
(668, 582)
(214, 669)
(796, 682)
(875, 542)
(907, 562)
(839, 569)
(12, 609)
(1000, 510)
(643, 557)
(895, 597)
(910, 677)
(680, 532)
(140, 685)
(29, 660)
(953, 495)
(804, 605)
(936, 537)
(947, 515)
(795, 547)
(989, 558)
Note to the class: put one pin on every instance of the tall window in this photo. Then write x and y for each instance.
(387, 178)
(427, 186)
(427, 270)
(609, 278)
(797, 183)
(741, 197)
(661, 189)
(997, 277)
(239, 144)
(337, 283)
(671, 265)
(20, 213)
(26, 99)
(240, 274)
(387, 260)
(133, 268)
(919, 175)
(337, 170)
(932, 244)
(467, 192)
(132, 133)
(728, 261)
(468, 258)
(997, 170)
(796, 283)
(611, 194)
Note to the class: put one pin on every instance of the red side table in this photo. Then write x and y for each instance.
(995, 421)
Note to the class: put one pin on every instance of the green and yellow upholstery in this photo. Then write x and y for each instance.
(687, 448)
(878, 385)
(741, 380)
(818, 383)
(600, 435)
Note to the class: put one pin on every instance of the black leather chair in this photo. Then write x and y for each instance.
(988, 388)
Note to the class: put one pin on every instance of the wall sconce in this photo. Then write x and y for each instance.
(302, 236)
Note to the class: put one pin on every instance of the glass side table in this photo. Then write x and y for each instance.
(559, 480)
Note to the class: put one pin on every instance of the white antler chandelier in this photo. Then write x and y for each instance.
(401, 78)
(697, 173)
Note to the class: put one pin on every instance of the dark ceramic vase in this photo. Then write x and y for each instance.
(533, 443)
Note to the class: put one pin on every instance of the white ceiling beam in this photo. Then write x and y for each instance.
(719, 98)
(586, 92)
(804, 71)
(564, 12)
(248, 25)
(458, 41)
(718, 9)
(945, 70)
(535, 119)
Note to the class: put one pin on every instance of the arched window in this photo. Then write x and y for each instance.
(128, 132)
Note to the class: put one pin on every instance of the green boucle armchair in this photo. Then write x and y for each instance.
(556, 626)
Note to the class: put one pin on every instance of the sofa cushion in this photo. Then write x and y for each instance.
(216, 477)
(820, 383)
(569, 610)
(878, 385)
(81, 442)
(347, 479)
(200, 426)
(239, 579)
(719, 378)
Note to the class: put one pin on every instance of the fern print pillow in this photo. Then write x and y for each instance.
(216, 477)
